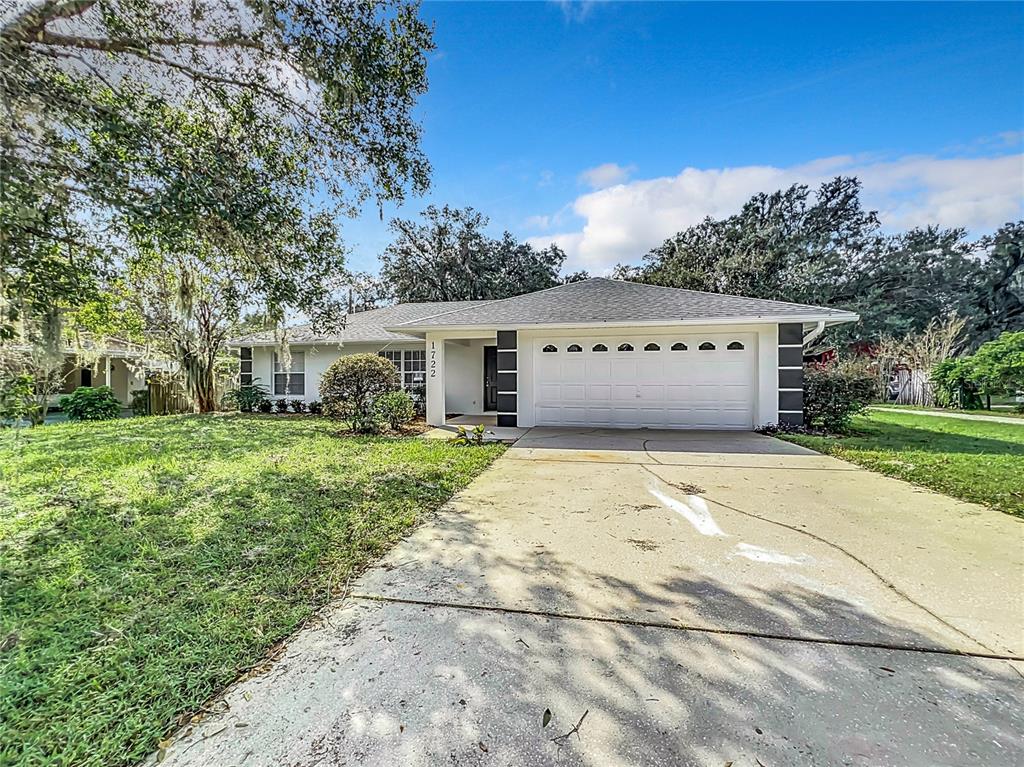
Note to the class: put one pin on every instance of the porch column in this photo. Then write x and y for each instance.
(435, 379)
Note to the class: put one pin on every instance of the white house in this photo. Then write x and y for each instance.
(594, 353)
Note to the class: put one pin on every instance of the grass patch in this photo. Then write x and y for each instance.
(145, 562)
(977, 461)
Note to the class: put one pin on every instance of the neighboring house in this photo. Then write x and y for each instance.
(116, 363)
(594, 353)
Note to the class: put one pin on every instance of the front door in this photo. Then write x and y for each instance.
(490, 378)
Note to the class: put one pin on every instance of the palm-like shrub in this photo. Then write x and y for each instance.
(351, 385)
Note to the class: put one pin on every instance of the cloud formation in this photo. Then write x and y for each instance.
(605, 175)
(621, 223)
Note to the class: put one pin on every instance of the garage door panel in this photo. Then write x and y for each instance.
(648, 369)
(651, 392)
(574, 391)
(675, 389)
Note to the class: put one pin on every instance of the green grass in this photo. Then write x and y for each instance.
(144, 563)
(976, 461)
(1007, 413)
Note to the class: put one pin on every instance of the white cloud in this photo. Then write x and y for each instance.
(621, 223)
(605, 175)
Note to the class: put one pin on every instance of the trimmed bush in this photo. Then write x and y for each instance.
(835, 391)
(395, 408)
(88, 403)
(316, 407)
(351, 385)
(281, 405)
(297, 406)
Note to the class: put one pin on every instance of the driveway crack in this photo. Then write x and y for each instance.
(688, 628)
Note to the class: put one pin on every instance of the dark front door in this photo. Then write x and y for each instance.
(490, 378)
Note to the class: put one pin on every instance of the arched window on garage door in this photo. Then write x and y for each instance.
(625, 347)
(549, 348)
(707, 346)
(734, 346)
(574, 348)
(652, 347)
(679, 347)
(599, 348)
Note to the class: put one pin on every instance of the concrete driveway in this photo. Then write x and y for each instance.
(672, 598)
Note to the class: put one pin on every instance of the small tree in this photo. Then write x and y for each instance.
(395, 408)
(351, 385)
(998, 366)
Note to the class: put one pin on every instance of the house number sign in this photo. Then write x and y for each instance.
(433, 359)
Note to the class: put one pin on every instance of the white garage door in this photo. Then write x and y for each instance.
(675, 382)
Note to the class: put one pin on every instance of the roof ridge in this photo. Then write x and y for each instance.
(710, 293)
(486, 302)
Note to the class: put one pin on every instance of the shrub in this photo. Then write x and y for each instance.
(352, 383)
(247, 399)
(140, 402)
(265, 406)
(953, 386)
(316, 407)
(395, 408)
(835, 391)
(88, 403)
(281, 405)
(18, 401)
(297, 406)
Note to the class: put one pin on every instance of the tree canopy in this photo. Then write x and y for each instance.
(823, 247)
(447, 256)
(246, 128)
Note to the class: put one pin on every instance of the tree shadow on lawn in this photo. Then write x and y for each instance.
(124, 611)
(386, 682)
(889, 437)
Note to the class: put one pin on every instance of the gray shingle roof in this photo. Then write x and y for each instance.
(601, 300)
(361, 327)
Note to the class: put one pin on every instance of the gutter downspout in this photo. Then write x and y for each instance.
(819, 328)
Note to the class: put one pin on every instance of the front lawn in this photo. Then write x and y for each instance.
(978, 461)
(1002, 413)
(145, 563)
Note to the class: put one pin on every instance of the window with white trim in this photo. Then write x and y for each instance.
(415, 373)
(293, 380)
(411, 365)
(245, 366)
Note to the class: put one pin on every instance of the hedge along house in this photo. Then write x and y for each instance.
(598, 353)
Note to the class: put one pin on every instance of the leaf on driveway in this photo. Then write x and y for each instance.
(547, 717)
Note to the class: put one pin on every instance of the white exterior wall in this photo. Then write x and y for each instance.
(318, 359)
(464, 383)
(766, 392)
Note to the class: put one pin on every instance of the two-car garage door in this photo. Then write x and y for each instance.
(659, 381)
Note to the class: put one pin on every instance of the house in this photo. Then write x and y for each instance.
(599, 352)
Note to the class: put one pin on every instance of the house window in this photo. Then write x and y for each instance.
(86, 376)
(411, 365)
(245, 366)
(625, 347)
(549, 348)
(652, 347)
(574, 348)
(734, 345)
(679, 347)
(415, 373)
(292, 381)
(600, 348)
(707, 346)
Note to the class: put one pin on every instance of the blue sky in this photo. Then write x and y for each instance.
(605, 127)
